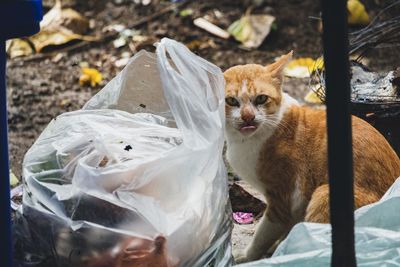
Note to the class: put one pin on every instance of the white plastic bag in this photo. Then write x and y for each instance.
(115, 184)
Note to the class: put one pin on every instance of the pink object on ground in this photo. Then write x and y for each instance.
(243, 217)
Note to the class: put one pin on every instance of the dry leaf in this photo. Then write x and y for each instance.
(59, 26)
(54, 37)
(90, 76)
(13, 179)
(241, 29)
(186, 12)
(251, 30)
(18, 48)
(357, 13)
(303, 67)
(201, 44)
(313, 96)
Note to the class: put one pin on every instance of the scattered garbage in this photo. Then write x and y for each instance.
(243, 217)
(90, 77)
(104, 185)
(366, 85)
(16, 193)
(243, 201)
(211, 28)
(251, 30)
(125, 36)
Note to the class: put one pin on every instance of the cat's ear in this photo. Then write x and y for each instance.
(276, 69)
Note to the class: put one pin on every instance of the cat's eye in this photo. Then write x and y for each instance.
(231, 101)
(261, 99)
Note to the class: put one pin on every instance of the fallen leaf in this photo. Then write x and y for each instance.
(90, 76)
(18, 48)
(357, 13)
(139, 42)
(251, 30)
(314, 96)
(13, 179)
(241, 29)
(59, 26)
(201, 44)
(186, 12)
(65, 102)
(303, 67)
(57, 58)
(55, 37)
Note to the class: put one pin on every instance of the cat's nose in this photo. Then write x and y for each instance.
(248, 117)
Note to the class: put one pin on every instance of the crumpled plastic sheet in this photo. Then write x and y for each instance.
(117, 185)
(377, 238)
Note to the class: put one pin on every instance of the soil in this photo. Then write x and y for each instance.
(41, 88)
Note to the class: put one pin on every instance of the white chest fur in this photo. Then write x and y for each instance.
(244, 151)
(243, 154)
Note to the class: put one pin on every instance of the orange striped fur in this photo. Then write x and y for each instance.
(280, 148)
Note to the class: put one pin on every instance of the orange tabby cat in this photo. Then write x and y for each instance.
(280, 148)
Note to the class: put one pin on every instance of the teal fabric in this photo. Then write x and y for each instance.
(377, 238)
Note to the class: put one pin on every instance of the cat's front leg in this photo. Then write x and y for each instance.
(265, 236)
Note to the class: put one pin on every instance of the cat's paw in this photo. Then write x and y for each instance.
(240, 256)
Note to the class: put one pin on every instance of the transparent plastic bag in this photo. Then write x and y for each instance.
(116, 185)
(377, 238)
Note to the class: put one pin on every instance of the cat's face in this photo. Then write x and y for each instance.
(253, 95)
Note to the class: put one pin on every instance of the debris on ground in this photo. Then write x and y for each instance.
(316, 95)
(251, 30)
(243, 217)
(243, 201)
(366, 85)
(303, 67)
(90, 77)
(211, 28)
(16, 196)
(186, 12)
(13, 179)
(357, 14)
(58, 27)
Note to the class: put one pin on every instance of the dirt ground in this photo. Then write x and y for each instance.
(41, 88)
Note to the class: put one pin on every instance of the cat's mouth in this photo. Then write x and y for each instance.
(248, 128)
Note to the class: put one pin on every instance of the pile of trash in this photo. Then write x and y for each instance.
(129, 180)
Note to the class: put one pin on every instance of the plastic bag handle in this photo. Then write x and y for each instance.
(193, 89)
